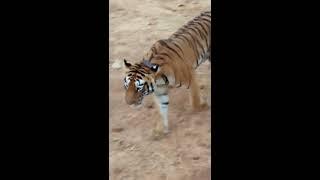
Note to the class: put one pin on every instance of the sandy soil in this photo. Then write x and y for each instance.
(185, 153)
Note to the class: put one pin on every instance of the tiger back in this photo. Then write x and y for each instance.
(183, 51)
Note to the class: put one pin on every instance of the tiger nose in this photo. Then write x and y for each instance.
(130, 98)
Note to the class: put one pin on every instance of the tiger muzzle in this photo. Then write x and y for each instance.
(133, 99)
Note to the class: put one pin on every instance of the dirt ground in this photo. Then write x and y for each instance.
(185, 153)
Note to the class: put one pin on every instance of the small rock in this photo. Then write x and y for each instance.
(188, 133)
(203, 145)
(117, 129)
(196, 158)
(117, 170)
(121, 142)
(117, 65)
(180, 5)
(150, 106)
(120, 9)
(199, 122)
(176, 162)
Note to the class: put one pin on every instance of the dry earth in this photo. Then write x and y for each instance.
(185, 153)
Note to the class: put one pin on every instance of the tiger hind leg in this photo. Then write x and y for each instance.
(195, 96)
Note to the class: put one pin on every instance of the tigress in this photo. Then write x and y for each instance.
(171, 63)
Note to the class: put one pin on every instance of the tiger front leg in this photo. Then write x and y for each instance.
(162, 128)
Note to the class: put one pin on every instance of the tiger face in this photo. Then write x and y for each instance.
(138, 82)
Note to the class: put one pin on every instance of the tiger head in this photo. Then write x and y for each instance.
(139, 81)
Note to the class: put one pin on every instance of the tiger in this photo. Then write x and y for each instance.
(171, 63)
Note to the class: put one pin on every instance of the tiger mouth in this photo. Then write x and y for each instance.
(136, 106)
(137, 103)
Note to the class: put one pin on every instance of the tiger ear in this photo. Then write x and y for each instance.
(126, 63)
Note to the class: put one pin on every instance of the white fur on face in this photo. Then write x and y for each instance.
(138, 83)
(126, 82)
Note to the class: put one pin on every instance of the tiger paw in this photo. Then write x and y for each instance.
(157, 134)
(166, 130)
